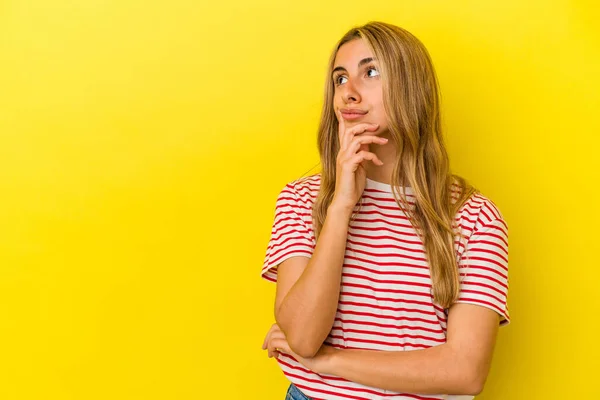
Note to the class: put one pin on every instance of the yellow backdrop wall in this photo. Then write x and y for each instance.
(142, 145)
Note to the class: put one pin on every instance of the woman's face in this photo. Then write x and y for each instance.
(358, 86)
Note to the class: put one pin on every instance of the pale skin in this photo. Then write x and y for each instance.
(460, 365)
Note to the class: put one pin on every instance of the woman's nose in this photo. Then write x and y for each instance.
(351, 93)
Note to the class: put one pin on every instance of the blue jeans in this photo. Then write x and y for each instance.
(293, 393)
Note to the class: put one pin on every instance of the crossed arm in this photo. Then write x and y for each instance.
(306, 302)
(459, 366)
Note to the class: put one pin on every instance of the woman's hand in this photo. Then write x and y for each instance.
(269, 344)
(351, 175)
(275, 342)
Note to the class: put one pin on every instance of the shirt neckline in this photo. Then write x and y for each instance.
(384, 187)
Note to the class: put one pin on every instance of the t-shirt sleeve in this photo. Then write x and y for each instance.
(483, 268)
(290, 235)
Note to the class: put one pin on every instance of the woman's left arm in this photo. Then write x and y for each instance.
(460, 366)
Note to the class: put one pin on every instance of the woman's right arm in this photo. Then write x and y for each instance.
(308, 288)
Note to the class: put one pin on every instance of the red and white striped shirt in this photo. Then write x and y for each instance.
(386, 301)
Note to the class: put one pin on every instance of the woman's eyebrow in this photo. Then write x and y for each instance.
(360, 64)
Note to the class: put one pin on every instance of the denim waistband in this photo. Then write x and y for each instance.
(293, 393)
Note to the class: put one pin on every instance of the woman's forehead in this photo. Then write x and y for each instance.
(351, 53)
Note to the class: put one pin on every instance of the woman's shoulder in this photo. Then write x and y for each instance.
(300, 193)
(479, 211)
(305, 189)
(482, 206)
(475, 204)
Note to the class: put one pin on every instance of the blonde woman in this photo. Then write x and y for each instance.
(391, 272)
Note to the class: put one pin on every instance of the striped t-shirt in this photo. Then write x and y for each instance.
(386, 299)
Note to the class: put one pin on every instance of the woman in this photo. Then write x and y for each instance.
(392, 273)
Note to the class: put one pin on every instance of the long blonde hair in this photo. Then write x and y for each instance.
(411, 101)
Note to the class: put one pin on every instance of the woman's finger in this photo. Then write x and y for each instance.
(356, 130)
(359, 141)
(364, 155)
(273, 328)
(280, 345)
(273, 353)
(275, 334)
(276, 337)
(345, 134)
(266, 341)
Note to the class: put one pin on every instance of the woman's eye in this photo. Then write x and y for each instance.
(373, 69)
(337, 80)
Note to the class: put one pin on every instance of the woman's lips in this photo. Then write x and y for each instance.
(352, 116)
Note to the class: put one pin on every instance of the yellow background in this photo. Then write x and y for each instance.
(142, 145)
